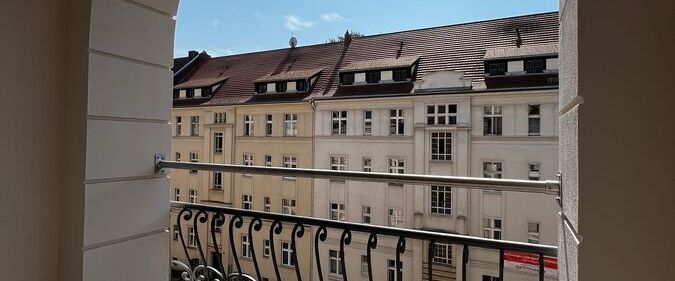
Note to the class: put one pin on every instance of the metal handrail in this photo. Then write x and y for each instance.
(549, 187)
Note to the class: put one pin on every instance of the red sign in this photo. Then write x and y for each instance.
(529, 262)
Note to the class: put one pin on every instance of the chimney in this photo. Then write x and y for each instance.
(519, 41)
(193, 54)
(400, 50)
(348, 39)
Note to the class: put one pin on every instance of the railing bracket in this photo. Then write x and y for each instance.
(158, 158)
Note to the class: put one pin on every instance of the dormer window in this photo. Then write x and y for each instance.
(190, 93)
(301, 85)
(261, 88)
(373, 76)
(197, 88)
(496, 68)
(535, 65)
(176, 94)
(401, 74)
(206, 92)
(281, 87)
(347, 78)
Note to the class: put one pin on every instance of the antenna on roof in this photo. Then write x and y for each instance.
(293, 41)
(519, 41)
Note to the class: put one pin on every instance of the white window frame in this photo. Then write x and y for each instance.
(535, 171)
(444, 192)
(441, 118)
(492, 228)
(192, 241)
(396, 122)
(249, 159)
(395, 217)
(217, 180)
(269, 124)
(391, 270)
(290, 161)
(334, 259)
(267, 204)
(267, 248)
(442, 253)
(441, 146)
(290, 124)
(286, 254)
(179, 125)
(533, 235)
(493, 169)
(247, 201)
(177, 156)
(248, 125)
(194, 158)
(397, 165)
(531, 117)
(192, 195)
(194, 125)
(494, 114)
(288, 206)
(364, 265)
(245, 247)
(176, 233)
(367, 123)
(218, 141)
(366, 214)
(339, 118)
(337, 211)
(176, 194)
(367, 164)
(338, 162)
(268, 160)
(219, 118)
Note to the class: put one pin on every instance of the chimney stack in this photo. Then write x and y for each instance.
(193, 54)
(348, 39)
(519, 41)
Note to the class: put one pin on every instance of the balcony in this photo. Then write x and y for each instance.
(211, 219)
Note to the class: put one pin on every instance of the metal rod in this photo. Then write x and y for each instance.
(541, 267)
(544, 187)
(439, 237)
(501, 264)
(465, 260)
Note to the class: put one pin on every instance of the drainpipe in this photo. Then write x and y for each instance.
(313, 106)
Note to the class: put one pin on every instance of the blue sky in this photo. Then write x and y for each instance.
(224, 27)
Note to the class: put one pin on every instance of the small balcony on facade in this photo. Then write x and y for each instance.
(206, 222)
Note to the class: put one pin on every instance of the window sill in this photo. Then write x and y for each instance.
(288, 178)
(335, 276)
(441, 215)
(287, 266)
(439, 161)
(247, 175)
(216, 189)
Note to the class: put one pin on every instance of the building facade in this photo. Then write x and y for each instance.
(476, 99)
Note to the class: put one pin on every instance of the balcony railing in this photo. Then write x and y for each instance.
(215, 217)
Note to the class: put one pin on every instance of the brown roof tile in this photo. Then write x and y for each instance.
(380, 63)
(196, 83)
(290, 75)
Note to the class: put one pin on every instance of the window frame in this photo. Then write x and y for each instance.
(347, 79)
(194, 158)
(495, 117)
(245, 247)
(440, 191)
(280, 86)
(373, 76)
(193, 196)
(491, 228)
(249, 159)
(396, 122)
(367, 164)
(287, 252)
(534, 237)
(194, 125)
(218, 141)
(176, 194)
(290, 124)
(531, 118)
(441, 141)
(339, 165)
(497, 173)
(192, 240)
(248, 125)
(448, 118)
(396, 217)
(268, 160)
(396, 165)
(534, 171)
(446, 250)
(217, 181)
(337, 211)
(366, 214)
(288, 206)
(179, 125)
(367, 123)
(269, 125)
(219, 117)
(267, 204)
(267, 248)
(339, 122)
(334, 258)
(247, 201)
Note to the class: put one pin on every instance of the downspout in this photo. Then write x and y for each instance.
(313, 106)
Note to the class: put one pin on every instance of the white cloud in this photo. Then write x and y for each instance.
(215, 22)
(329, 17)
(294, 22)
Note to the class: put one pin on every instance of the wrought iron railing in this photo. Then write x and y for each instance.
(215, 217)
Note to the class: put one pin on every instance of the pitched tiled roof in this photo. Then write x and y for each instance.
(384, 63)
(521, 52)
(197, 83)
(459, 47)
(290, 75)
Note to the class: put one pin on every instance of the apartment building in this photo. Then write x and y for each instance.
(476, 99)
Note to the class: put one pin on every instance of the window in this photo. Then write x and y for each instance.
(492, 170)
(179, 125)
(492, 228)
(443, 253)
(194, 157)
(364, 265)
(334, 261)
(301, 85)
(347, 78)
(177, 156)
(441, 146)
(401, 74)
(268, 160)
(533, 232)
(280, 87)
(533, 120)
(492, 120)
(489, 278)
(441, 200)
(339, 121)
(290, 162)
(396, 121)
(247, 201)
(338, 163)
(192, 242)
(367, 165)
(192, 195)
(290, 124)
(535, 65)
(248, 159)
(261, 88)
(190, 93)
(395, 217)
(248, 125)
(288, 206)
(286, 254)
(176, 94)
(391, 270)
(373, 76)
(245, 247)
(218, 180)
(267, 248)
(217, 142)
(267, 204)
(442, 114)
(268, 124)
(367, 122)
(219, 118)
(206, 92)
(496, 68)
(194, 125)
(176, 194)
(534, 174)
(396, 166)
(337, 211)
(176, 233)
(365, 214)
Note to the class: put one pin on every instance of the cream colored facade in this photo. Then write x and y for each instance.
(290, 143)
